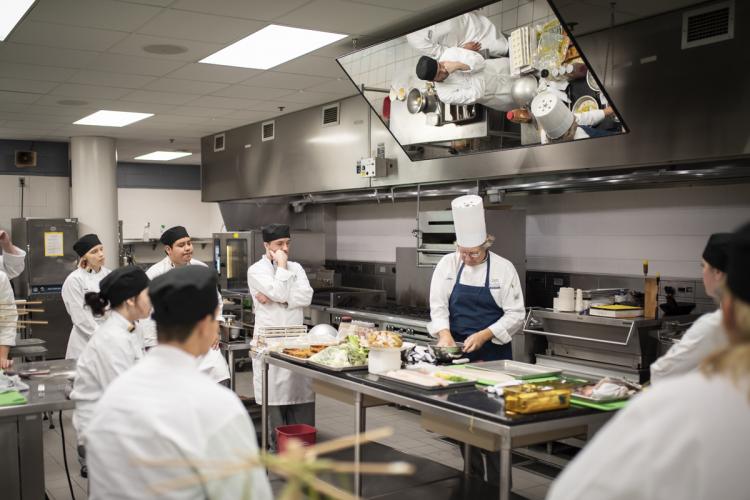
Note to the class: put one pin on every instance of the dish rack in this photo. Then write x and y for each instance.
(522, 46)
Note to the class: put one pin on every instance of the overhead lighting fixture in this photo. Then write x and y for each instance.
(163, 155)
(105, 118)
(271, 46)
(11, 12)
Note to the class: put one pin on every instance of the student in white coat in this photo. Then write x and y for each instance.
(687, 437)
(471, 31)
(705, 336)
(114, 347)
(464, 77)
(179, 249)
(86, 277)
(165, 411)
(11, 265)
(476, 298)
(280, 291)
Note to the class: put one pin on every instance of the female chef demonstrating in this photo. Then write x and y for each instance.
(476, 298)
(114, 348)
(89, 272)
(685, 438)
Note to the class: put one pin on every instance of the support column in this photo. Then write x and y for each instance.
(93, 194)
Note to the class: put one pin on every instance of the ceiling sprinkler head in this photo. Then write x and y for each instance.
(281, 108)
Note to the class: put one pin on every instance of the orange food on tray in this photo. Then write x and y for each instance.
(298, 352)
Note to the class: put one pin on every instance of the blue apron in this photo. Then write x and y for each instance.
(471, 309)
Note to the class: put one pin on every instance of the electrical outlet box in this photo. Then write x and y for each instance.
(374, 167)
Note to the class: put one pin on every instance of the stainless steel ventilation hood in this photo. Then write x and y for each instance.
(687, 110)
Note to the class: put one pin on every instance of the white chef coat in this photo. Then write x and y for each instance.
(505, 288)
(163, 408)
(685, 438)
(110, 352)
(11, 265)
(74, 290)
(290, 292)
(704, 337)
(587, 118)
(470, 27)
(486, 82)
(212, 363)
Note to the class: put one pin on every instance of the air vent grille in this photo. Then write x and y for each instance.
(220, 142)
(331, 115)
(711, 24)
(268, 130)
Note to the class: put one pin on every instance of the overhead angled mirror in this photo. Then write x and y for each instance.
(499, 77)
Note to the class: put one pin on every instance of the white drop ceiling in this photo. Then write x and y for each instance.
(69, 58)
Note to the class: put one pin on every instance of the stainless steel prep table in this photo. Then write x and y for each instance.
(21, 451)
(467, 410)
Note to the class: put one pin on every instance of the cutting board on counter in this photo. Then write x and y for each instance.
(479, 375)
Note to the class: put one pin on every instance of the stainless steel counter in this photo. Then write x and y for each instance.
(22, 452)
(468, 412)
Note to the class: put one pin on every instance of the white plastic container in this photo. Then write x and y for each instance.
(384, 359)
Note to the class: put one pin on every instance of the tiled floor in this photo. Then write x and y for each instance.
(333, 419)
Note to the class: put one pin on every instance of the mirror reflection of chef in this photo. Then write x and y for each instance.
(471, 31)
(475, 295)
(280, 291)
(559, 124)
(464, 77)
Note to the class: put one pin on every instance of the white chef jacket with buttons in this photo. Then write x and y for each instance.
(486, 82)
(686, 438)
(704, 337)
(212, 363)
(164, 409)
(112, 350)
(11, 265)
(290, 292)
(505, 288)
(74, 290)
(470, 27)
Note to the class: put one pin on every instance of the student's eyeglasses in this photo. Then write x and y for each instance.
(473, 255)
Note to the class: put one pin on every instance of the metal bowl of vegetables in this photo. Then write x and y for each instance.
(446, 354)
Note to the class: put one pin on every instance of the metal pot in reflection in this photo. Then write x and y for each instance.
(524, 90)
(419, 101)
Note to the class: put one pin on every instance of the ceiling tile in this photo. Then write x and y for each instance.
(36, 118)
(246, 92)
(53, 111)
(412, 5)
(120, 63)
(18, 97)
(199, 111)
(103, 14)
(184, 86)
(213, 73)
(31, 86)
(34, 72)
(275, 105)
(86, 92)
(312, 65)
(158, 3)
(306, 97)
(158, 97)
(200, 27)
(341, 86)
(210, 101)
(265, 11)
(108, 79)
(279, 80)
(67, 37)
(340, 16)
(133, 45)
(45, 56)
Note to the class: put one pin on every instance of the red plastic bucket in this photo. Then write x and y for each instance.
(302, 432)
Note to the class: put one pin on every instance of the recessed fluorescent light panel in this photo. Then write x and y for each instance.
(271, 46)
(105, 118)
(12, 11)
(163, 155)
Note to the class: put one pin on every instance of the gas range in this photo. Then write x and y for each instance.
(410, 322)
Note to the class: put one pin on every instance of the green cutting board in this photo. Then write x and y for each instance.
(12, 398)
(610, 406)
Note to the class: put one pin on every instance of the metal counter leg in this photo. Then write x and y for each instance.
(230, 362)
(359, 426)
(264, 403)
(467, 459)
(506, 470)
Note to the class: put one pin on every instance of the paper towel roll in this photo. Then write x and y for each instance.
(468, 219)
(567, 299)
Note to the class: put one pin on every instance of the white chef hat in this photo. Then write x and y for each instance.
(468, 219)
(552, 114)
